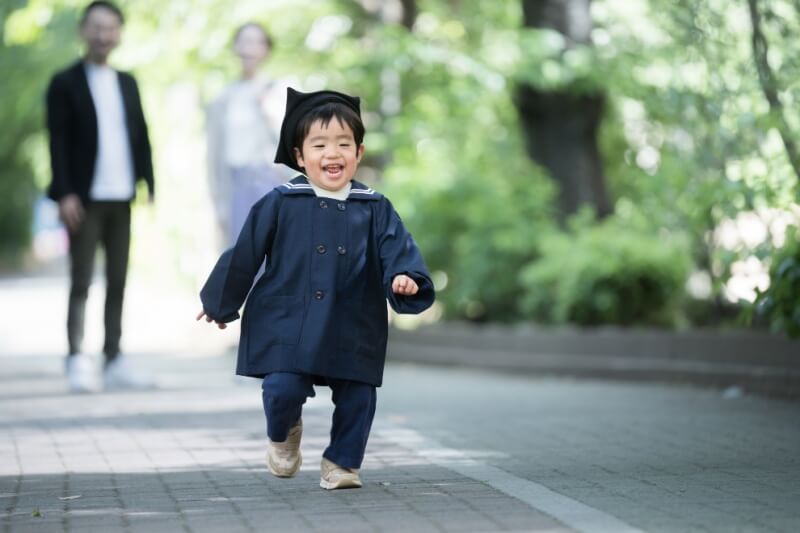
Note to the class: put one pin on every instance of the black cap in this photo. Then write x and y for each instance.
(298, 105)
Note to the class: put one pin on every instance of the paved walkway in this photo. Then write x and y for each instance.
(451, 450)
(189, 457)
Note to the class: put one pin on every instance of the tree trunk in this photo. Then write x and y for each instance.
(410, 12)
(769, 86)
(561, 127)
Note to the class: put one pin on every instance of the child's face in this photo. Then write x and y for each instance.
(330, 155)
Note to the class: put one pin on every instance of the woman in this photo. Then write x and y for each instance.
(243, 131)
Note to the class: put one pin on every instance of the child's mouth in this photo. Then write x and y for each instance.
(334, 171)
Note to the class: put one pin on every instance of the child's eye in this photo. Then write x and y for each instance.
(344, 145)
(319, 146)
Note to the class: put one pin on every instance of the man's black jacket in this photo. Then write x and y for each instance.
(72, 122)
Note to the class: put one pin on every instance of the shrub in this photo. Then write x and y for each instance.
(605, 274)
(480, 234)
(779, 305)
(17, 193)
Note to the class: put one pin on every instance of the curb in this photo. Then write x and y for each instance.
(753, 361)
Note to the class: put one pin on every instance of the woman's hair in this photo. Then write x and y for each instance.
(325, 113)
(259, 27)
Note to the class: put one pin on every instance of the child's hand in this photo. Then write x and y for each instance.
(402, 284)
(202, 313)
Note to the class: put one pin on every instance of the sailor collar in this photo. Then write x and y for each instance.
(300, 186)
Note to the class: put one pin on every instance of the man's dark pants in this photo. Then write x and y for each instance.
(108, 223)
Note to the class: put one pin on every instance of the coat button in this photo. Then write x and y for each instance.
(340, 206)
(323, 204)
(342, 250)
(321, 249)
(319, 295)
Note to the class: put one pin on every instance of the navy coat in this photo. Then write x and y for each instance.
(320, 306)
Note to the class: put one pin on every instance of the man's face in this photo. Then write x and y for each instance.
(330, 155)
(100, 31)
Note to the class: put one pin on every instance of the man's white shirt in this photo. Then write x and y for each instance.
(113, 170)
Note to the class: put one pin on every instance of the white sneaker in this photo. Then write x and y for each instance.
(81, 374)
(120, 374)
(284, 458)
(333, 476)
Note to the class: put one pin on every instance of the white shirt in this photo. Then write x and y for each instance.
(113, 168)
(341, 194)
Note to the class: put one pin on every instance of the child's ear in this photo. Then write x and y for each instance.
(298, 155)
(359, 153)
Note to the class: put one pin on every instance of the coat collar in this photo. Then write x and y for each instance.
(300, 186)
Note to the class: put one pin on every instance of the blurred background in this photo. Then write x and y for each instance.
(586, 162)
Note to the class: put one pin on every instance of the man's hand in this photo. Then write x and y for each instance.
(402, 284)
(71, 212)
(202, 314)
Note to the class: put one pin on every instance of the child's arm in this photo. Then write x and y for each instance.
(407, 283)
(232, 277)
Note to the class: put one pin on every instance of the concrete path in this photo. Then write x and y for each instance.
(451, 450)
(189, 457)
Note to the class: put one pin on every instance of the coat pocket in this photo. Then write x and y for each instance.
(363, 329)
(276, 320)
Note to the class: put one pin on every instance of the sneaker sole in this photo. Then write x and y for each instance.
(341, 484)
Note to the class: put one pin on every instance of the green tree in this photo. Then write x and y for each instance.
(27, 58)
(488, 123)
(560, 107)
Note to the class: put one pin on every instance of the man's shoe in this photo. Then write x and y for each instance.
(119, 374)
(284, 458)
(81, 374)
(333, 476)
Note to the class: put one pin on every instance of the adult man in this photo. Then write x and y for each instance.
(98, 148)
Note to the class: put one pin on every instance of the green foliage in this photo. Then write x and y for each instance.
(605, 274)
(25, 69)
(688, 140)
(17, 194)
(780, 303)
(478, 232)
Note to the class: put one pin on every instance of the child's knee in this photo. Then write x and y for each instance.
(283, 388)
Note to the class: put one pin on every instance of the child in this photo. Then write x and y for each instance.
(335, 251)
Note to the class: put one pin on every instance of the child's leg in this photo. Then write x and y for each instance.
(352, 421)
(284, 395)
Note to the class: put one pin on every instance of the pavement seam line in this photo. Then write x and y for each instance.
(572, 513)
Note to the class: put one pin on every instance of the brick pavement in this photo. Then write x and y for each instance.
(449, 446)
(662, 458)
(189, 457)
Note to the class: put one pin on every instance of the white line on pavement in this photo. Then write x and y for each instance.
(571, 513)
